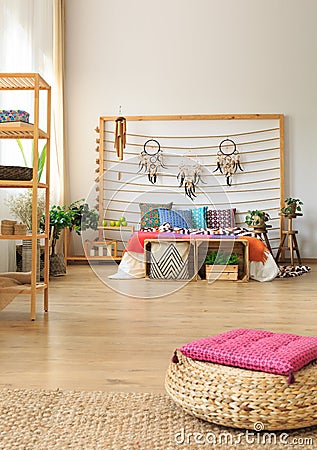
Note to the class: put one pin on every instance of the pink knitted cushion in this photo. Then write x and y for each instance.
(266, 351)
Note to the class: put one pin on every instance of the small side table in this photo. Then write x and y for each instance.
(262, 233)
(290, 234)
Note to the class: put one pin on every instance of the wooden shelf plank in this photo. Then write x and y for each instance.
(128, 228)
(26, 289)
(21, 237)
(20, 184)
(84, 258)
(22, 130)
(39, 287)
(22, 81)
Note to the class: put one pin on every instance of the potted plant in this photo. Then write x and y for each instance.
(291, 206)
(257, 218)
(222, 266)
(59, 219)
(78, 216)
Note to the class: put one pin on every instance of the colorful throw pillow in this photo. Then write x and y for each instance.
(265, 351)
(150, 215)
(199, 217)
(220, 218)
(176, 218)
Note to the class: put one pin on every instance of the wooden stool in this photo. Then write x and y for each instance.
(262, 233)
(290, 234)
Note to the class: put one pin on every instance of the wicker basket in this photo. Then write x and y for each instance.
(241, 398)
(20, 228)
(16, 173)
(7, 227)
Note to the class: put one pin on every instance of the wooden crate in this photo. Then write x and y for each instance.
(221, 272)
(227, 245)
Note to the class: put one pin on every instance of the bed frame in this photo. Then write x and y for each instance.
(260, 142)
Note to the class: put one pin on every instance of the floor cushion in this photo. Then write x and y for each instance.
(237, 379)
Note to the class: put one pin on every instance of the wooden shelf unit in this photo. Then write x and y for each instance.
(13, 130)
(102, 238)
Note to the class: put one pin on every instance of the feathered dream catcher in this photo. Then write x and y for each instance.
(228, 159)
(189, 176)
(151, 162)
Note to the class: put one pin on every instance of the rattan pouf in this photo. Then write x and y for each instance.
(241, 398)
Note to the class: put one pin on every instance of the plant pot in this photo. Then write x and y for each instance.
(57, 265)
(222, 272)
(293, 207)
(258, 222)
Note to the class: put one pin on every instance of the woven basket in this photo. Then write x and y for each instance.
(16, 173)
(241, 398)
(7, 227)
(20, 228)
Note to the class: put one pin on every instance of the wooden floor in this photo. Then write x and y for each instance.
(94, 338)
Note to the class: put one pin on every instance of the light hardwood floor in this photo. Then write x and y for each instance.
(94, 338)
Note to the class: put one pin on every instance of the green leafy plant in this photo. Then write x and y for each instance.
(41, 159)
(78, 216)
(82, 217)
(60, 218)
(257, 218)
(292, 205)
(222, 258)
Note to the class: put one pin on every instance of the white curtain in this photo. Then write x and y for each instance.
(29, 36)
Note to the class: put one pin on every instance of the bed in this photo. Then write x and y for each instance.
(217, 206)
(262, 266)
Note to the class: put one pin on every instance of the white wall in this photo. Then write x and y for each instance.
(191, 57)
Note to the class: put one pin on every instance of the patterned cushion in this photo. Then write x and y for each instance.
(220, 218)
(199, 217)
(265, 351)
(150, 215)
(178, 219)
(169, 260)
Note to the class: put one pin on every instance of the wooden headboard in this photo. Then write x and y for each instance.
(259, 139)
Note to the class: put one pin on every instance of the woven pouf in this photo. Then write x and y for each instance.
(240, 398)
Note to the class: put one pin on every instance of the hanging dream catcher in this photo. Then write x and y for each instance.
(151, 162)
(228, 159)
(189, 176)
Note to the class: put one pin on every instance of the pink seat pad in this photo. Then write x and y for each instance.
(277, 353)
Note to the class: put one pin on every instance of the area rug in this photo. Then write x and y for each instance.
(47, 420)
(292, 271)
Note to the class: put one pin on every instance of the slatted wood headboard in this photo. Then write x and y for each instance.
(259, 139)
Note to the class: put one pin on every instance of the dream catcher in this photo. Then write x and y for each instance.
(151, 162)
(228, 161)
(189, 176)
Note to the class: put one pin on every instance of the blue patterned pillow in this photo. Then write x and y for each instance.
(149, 213)
(179, 219)
(199, 217)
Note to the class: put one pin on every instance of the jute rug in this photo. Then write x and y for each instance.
(32, 420)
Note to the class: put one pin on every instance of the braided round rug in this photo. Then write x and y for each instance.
(32, 419)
